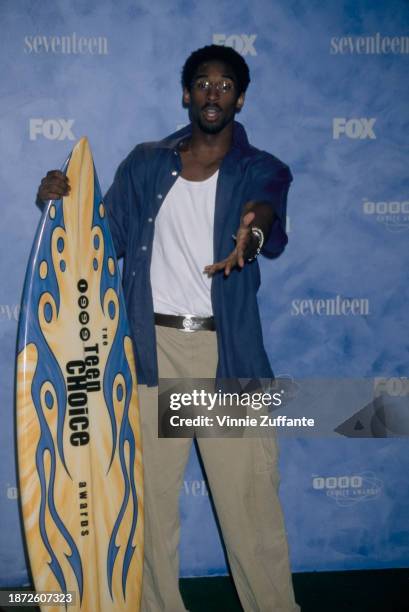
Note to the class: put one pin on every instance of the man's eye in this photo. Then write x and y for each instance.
(220, 86)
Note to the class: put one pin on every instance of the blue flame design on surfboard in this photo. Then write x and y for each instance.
(79, 446)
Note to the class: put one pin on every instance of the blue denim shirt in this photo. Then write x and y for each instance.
(141, 184)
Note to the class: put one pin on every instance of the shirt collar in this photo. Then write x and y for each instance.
(240, 140)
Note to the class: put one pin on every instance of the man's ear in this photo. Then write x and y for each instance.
(186, 97)
(240, 101)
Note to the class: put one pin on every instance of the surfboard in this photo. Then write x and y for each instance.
(77, 418)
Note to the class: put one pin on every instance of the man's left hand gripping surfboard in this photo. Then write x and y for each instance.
(79, 443)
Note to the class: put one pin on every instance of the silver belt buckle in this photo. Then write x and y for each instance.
(188, 324)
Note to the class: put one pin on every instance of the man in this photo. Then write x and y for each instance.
(174, 207)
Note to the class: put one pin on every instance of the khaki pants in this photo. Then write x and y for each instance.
(243, 479)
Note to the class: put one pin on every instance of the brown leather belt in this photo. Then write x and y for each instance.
(186, 323)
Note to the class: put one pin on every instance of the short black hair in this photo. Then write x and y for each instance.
(217, 53)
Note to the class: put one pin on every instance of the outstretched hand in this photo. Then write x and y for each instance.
(236, 257)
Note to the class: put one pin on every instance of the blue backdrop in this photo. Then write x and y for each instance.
(328, 96)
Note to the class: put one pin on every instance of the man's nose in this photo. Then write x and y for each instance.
(213, 92)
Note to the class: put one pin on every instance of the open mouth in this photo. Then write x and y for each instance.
(211, 113)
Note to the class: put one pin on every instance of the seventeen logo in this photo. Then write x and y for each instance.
(353, 128)
(337, 306)
(52, 129)
(195, 488)
(242, 43)
(9, 312)
(66, 45)
(369, 45)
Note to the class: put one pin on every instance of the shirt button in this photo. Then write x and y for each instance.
(159, 196)
(133, 272)
(144, 248)
(150, 220)
(174, 173)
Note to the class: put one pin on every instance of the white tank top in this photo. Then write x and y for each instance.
(182, 247)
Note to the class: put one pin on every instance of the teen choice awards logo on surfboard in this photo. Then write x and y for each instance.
(79, 446)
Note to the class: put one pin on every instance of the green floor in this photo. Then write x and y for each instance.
(366, 591)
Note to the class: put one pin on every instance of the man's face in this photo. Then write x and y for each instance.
(213, 100)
